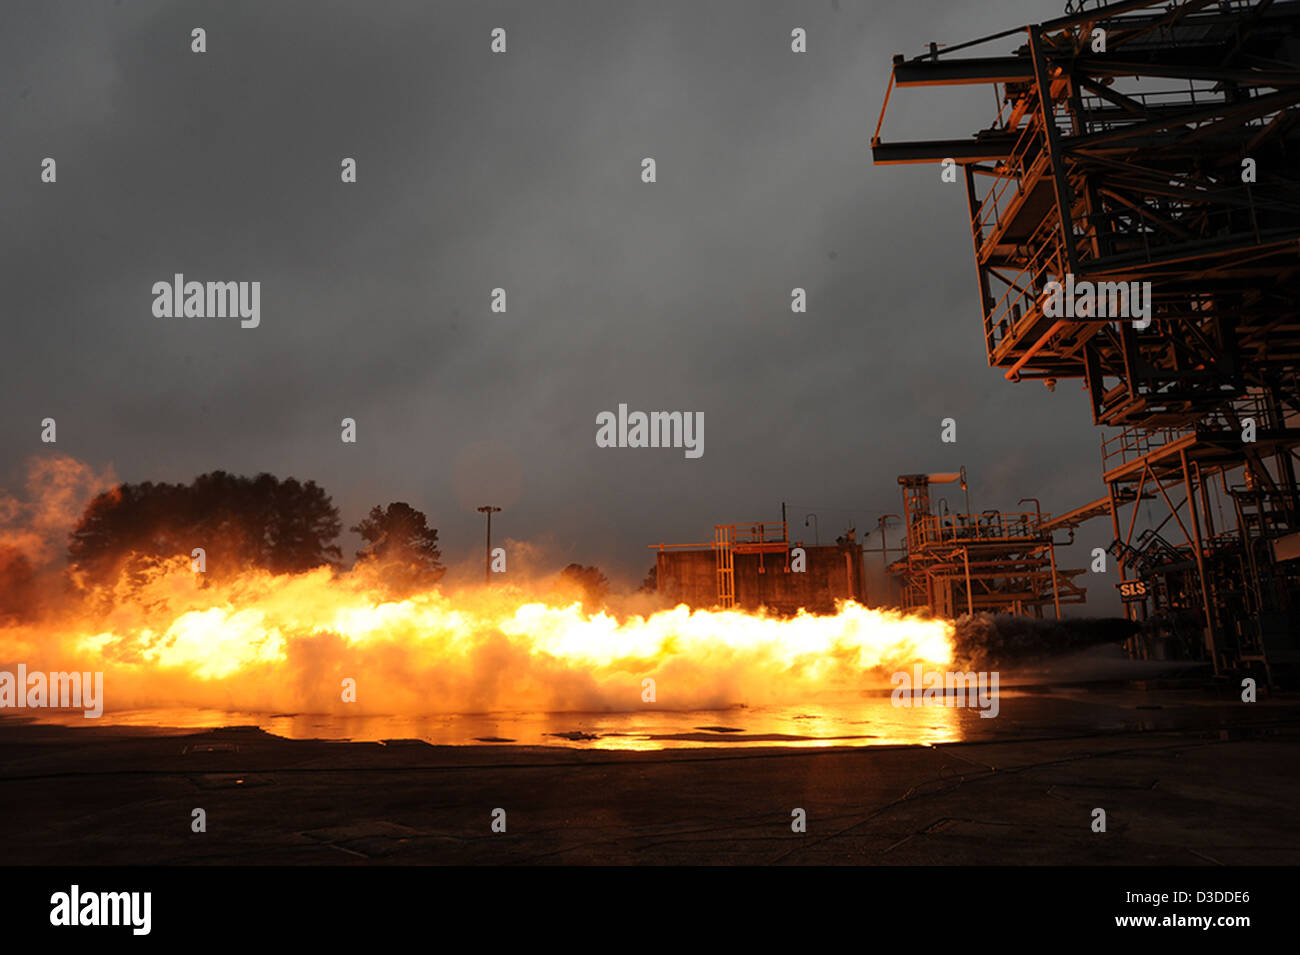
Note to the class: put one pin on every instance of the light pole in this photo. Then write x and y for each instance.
(817, 537)
(884, 551)
(487, 553)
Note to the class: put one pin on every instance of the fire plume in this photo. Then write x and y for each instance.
(259, 642)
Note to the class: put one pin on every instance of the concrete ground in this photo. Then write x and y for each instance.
(112, 795)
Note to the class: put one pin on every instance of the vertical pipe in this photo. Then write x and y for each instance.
(1056, 593)
(1200, 562)
(970, 602)
(1205, 504)
(1047, 115)
(977, 238)
(1131, 643)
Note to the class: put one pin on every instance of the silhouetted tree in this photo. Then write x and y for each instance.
(18, 591)
(651, 583)
(589, 580)
(241, 523)
(399, 539)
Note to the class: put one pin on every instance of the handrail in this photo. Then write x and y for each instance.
(1022, 290)
(1137, 441)
(967, 528)
(752, 532)
(1014, 161)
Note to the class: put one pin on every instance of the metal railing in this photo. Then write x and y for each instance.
(1136, 442)
(991, 527)
(748, 534)
(1019, 304)
(1210, 94)
(1012, 171)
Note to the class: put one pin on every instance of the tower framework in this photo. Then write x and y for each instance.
(1147, 152)
(966, 563)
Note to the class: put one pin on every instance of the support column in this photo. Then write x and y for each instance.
(1056, 593)
(970, 601)
(1200, 562)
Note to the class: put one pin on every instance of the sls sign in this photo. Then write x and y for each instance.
(1132, 590)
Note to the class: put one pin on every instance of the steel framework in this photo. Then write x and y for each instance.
(1156, 142)
(994, 562)
(758, 537)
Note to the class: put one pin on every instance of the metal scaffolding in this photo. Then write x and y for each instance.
(758, 537)
(1150, 149)
(966, 563)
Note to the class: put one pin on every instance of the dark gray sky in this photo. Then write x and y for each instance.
(521, 171)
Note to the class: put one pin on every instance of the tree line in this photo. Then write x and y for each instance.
(243, 523)
(263, 522)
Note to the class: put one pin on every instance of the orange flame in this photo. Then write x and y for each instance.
(264, 643)
(270, 643)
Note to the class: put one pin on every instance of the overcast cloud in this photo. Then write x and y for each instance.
(520, 171)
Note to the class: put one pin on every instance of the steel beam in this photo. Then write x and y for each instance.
(937, 150)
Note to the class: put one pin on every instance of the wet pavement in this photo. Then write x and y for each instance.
(1183, 777)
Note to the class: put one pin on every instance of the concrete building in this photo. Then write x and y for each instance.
(751, 566)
